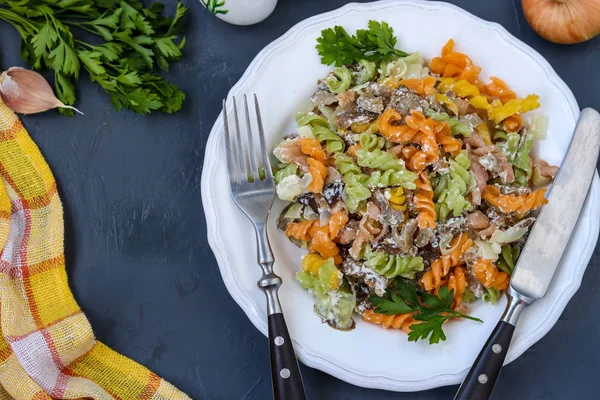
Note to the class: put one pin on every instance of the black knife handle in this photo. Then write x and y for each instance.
(480, 381)
(285, 373)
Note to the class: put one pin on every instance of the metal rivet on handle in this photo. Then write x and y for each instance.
(285, 373)
(482, 378)
(496, 348)
(279, 341)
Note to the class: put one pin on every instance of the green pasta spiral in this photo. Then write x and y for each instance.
(457, 127)
(388, 178)
(339, 80)
(355, 189)
(345, 164)
(508, 143)
(521, 164)
(508, 258)
(385, 161)
(371, 141)
(320, 128)
(366, 72)
(284, 170)
(491, 295)
(333, 143)
(354, 192)
(310, 118)
(379, 159)
(452, 189)
(391, 266)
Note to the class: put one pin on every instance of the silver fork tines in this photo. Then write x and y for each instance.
(252, 191)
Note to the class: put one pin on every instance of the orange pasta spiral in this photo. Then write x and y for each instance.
(427, 128)
(322, 244)
(514, 123)
(420, 86)
(498, 88)
(457, 281)
(514, 203)
(337, 222)
(311, 147)
(432, 278)
(322, 238)
(303, 230)
(423, 201)
(452, 64)
(398, 321)
(486, 272)
(406, 153)
(318, 171)
(449, 144)
(395, 133)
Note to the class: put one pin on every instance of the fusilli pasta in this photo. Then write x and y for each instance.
(303, 230)
(509, 203)
(457, 281)
(453, 188)
(318, 171)
(395, 171)
(489, 276)
(391, 266)
(398, 321)
(397, 199)
(312, 263)
(395, 133)
(311, 147)
(339, 80)
(423, 201)
(432, 278)
(385, 161)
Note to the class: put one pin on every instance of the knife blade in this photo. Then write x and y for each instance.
(554, 225)
(541, 254)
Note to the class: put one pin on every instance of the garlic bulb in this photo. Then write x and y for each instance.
(27, 92)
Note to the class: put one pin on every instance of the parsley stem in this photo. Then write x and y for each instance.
(461, 315)
(82, 26)
(12, 18)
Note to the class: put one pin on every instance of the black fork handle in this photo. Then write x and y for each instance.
(285, 373)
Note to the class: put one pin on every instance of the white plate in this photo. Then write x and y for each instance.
(284, 75)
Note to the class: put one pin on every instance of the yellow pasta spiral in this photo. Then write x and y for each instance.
(397, 198)
(312, 263)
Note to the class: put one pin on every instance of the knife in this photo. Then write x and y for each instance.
(541, 254)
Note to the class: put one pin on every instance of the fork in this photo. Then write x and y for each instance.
(253, 191)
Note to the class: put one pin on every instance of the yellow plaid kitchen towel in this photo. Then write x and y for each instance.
(47, 347)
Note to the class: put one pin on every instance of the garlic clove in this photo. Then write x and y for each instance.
(27, 92)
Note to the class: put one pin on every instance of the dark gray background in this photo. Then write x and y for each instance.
(136, 248)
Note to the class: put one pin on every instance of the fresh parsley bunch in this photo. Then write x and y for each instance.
(377, 43)
(118, 43)
(430, 309)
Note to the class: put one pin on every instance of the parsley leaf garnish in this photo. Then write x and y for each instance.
(131, 41)
(336, 46)
(431, 310)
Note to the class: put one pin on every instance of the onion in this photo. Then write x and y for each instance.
(563, 21)
(488, 251)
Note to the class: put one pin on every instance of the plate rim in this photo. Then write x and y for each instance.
(317, 361)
